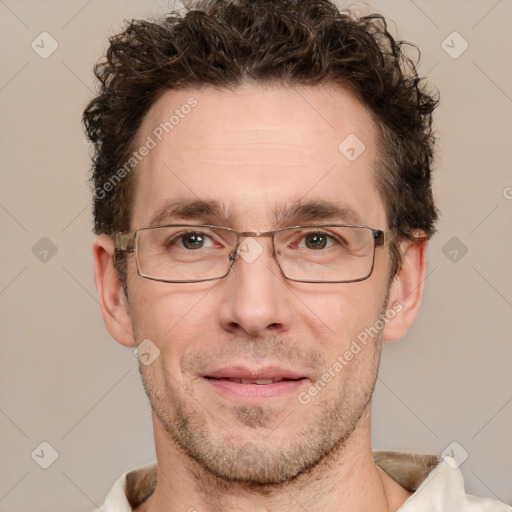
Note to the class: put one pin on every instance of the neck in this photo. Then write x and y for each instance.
(346, 480)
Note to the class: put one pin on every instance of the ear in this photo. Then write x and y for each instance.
(114, 305)
(406, 292)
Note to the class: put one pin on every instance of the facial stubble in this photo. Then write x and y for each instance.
(243, 444)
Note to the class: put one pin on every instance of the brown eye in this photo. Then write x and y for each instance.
(193, 240)
(316, 240)
(189, 240)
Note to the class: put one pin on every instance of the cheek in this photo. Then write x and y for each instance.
(171, 316)
(342, 314)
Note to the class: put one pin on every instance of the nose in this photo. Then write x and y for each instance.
(256, 296)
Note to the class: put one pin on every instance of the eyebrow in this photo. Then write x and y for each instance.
(214, 212)
(316, 210)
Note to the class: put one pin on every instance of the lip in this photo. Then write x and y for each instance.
(252, 392)
(241, 372)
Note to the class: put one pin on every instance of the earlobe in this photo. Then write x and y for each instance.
(406, 292)
(114, 305)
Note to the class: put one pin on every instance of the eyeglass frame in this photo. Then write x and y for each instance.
(126, 243)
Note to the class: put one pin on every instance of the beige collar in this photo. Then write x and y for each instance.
(408, 469)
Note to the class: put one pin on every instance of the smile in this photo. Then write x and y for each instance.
(260, 382)
(253, 385)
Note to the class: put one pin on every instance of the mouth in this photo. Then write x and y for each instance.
(259, 382)
(253, 385)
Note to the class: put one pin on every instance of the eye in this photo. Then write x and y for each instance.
(316, 240)
(191, 240)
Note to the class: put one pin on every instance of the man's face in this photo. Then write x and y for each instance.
(255, 151)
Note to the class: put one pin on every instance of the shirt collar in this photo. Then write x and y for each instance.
(431, 478)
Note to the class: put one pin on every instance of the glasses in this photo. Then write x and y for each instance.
(190, 253)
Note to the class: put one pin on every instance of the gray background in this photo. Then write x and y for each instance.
(64, 381)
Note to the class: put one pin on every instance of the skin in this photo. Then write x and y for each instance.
(253, 148)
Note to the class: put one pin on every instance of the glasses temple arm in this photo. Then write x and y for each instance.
(123, 242)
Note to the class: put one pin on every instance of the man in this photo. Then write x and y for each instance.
(263, 204)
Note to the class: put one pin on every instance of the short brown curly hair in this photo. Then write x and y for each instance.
(223, 43)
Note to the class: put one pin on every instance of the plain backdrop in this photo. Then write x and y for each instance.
(65, 382)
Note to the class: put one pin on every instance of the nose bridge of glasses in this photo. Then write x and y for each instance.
(255, 234)
(248, 249)
(242, 241)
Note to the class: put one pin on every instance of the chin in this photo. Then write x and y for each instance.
(256, 455)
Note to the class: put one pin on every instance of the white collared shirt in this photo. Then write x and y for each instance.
(437, 484)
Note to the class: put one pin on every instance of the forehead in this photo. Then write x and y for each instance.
(256, 151)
